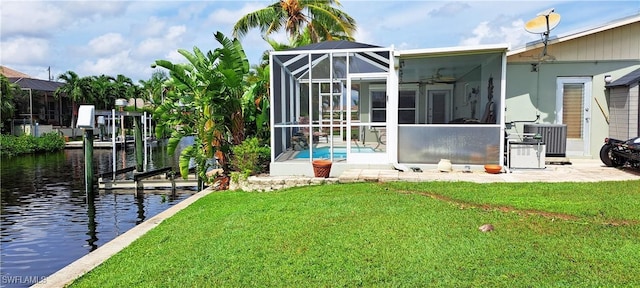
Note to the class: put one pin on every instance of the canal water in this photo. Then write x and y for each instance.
(47, 219)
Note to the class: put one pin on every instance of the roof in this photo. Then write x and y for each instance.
(10, 73)
(36, 84)
(626, 80)
(328, 45)
(27, 82)
(570, 36)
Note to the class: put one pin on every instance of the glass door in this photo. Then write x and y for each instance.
(573, 103)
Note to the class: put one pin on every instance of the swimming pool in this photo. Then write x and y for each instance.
(338, 152)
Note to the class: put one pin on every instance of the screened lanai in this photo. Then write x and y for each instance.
(364, 106)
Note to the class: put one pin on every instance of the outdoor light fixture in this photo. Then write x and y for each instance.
(607, 79)
(86, 116)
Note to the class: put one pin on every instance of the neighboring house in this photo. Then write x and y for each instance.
(38, 101)
(371, 107)
(568, 85)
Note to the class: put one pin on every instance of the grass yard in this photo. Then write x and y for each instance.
(392, 234)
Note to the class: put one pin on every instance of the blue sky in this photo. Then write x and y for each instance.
(125, 37)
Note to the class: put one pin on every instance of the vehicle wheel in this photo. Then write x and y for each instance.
(607, 158)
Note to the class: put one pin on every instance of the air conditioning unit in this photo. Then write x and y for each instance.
(553, 135)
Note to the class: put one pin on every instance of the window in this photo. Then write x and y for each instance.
(572, 110)
(407, 107)
(378, 106)
(52, 110)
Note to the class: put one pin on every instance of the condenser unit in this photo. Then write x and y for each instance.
(553, 135)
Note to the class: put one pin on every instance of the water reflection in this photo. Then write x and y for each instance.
(91, 221)
(48, 220)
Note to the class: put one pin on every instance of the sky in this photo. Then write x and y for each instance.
(47, 38)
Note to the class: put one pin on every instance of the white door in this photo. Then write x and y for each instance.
(573, 108)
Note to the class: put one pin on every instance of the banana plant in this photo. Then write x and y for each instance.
(204, 101)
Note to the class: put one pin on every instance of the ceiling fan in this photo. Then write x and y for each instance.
(439, 78)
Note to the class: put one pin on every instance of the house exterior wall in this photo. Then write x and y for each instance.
(534, 93)
(620, 43)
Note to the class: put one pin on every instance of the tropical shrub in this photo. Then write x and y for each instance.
(250, 157)
(49, 142)
(204, 101)
(25, 144)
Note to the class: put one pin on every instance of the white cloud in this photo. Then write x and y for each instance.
(481, 32)
(516, 35)
(43, 18)
(24, 50)
(118, 63)
(485, 33)
(153, 27)
(156, 47)
(230, 17)
(191, 11)
(405, 46)
(175, 32)
(107, 44)
(449, 9)
(363, 35)
(94, 9)
(151, 46)
(175, 57)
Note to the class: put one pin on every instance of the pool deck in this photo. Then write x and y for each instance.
(580, 170)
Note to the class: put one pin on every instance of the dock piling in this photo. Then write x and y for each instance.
(138, 144)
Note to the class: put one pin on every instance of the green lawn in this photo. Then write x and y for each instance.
(392, 234)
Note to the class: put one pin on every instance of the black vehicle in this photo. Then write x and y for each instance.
(616, 153)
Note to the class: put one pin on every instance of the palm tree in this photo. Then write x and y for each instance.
(153, 89)
(320, 17)
(103, 91)
(76, 88)
(8, 91)
(123, 87)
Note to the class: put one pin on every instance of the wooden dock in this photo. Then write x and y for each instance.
(155, 179)
(109, 184)
(96, 144)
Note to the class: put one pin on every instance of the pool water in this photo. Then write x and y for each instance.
(338, 152)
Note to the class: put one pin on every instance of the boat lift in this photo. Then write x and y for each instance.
(142, 177)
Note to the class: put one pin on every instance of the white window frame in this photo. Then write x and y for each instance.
(415, 103)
